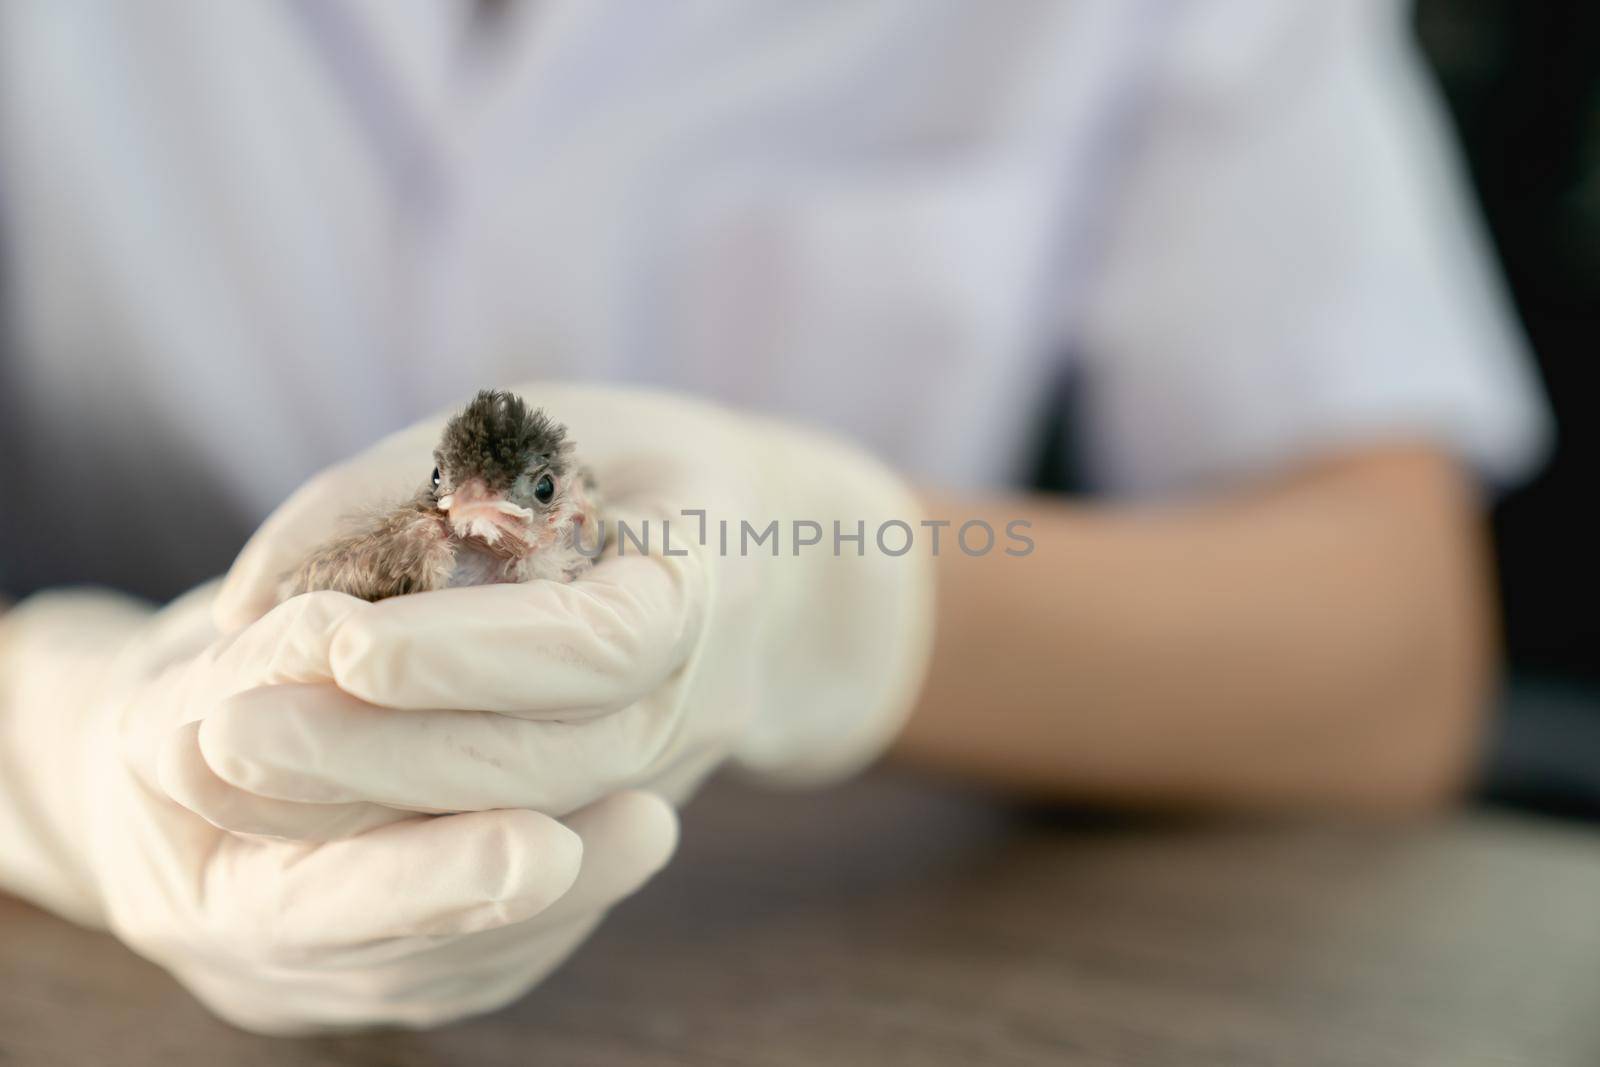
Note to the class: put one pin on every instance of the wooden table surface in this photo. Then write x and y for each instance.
(889, 922)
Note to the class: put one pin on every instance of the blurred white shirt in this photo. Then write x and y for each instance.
(241, 240)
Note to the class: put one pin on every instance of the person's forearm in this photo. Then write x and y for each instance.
(1323, 641)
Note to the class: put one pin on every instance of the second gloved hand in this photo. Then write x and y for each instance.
(798, 660)
(371, 916)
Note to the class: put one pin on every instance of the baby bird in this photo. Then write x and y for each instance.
(505, 504)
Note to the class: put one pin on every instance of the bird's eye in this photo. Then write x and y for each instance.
(436, 477)
(544, 489)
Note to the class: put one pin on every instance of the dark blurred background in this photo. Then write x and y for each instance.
(1522, 81)
(1523, 84)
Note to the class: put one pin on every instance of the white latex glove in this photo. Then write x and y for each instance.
(415, 921)
(646, 672)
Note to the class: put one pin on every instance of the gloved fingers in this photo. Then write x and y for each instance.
(426, 877)
(320, 509)
(627, 837)
(289, 645)
(428, 978)
(324, 746)
(184, 775)
(536, 649)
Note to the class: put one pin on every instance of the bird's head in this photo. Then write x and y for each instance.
(504, 476)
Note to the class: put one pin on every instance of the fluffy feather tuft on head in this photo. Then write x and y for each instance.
(497, 437)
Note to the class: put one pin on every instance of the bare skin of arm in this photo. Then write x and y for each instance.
(1322, 641)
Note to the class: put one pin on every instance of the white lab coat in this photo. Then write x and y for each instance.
(242, 240)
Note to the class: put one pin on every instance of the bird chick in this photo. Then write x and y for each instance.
(505, 503)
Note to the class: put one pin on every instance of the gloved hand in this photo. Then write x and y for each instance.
(797, 661)
(415, 921)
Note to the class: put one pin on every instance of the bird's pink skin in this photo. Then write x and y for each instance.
(513, 546)
(488, 517)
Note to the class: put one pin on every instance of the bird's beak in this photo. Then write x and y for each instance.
(474, 511)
